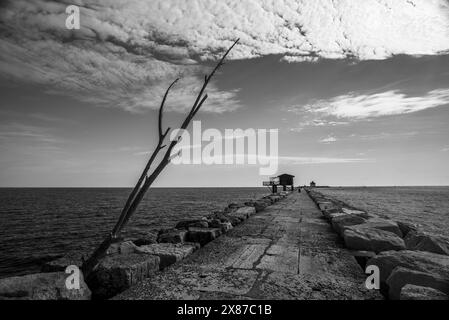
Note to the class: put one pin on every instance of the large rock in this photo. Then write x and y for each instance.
(326, 205)
(356, 212)
(402, 276)
(331, 216)
(369, 239)
(275, 198)
(172, 236)
(122, 248)
(117, 273)
(406, 227)
(168, 253)
(246, 210)
(234, 205)
(383, 224)
(60, 264)
(420, 261)
(242, 213)
(43, 286)
(149, 238)
(326, 213)
(185, 224)
(340, 222)
(259, 205)
(426, 242)
(222, 216)
(223, 226)
(203, 235)
(362, 257)
(412, 292)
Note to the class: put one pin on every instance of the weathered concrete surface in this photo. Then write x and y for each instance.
(287, 251)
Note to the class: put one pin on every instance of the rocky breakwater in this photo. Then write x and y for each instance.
(412, 264)
(130, 261)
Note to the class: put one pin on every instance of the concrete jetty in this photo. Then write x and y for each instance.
(287, 251)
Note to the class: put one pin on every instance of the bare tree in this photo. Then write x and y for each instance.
(146, 179)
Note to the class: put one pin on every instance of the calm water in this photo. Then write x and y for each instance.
(426, 206)
(37, 224)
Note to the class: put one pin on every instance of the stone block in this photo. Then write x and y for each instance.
(119, 272)
(168, 253)
(172, 236)
(42, 286)
(369, 239)
(202, 235)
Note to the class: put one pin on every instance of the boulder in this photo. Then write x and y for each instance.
(150, 238)
(331, 216)
(246, 210)
(326, 213)
(412, 292)
(421, 261)
(122, 248)
(369, 239)
(406, 227)
(426, 242)
(168, 253)
(401, 276)
(235, 205)
(340, 222)
(119, 272)
(269, 199)
(242, 213)
(362, 257)
(234, 220)
(223, 226)
(259, 205)
(60, 264)
(172, 236)
(355, 212)
(383, 224)
(202, 235)
(42, 286)
(185, 224)
(275, 198)
(326, 205)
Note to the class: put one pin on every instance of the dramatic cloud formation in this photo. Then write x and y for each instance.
(127, 52)
(363, 106)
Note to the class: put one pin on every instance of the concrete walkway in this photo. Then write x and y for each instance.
(285, 252)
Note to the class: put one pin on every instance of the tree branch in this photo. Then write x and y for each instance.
(146, 181)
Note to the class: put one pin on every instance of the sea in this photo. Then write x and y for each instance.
(428, 207)
(40, 224)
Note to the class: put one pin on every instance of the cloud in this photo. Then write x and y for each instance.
(382, 135)
(313, 123)
(328, 139)
(363, 106)
(25, 135)
(127, 52)
(319, 160)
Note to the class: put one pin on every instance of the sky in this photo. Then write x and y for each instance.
(359, 90)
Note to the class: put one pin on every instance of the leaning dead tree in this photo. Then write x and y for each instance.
(146, 179)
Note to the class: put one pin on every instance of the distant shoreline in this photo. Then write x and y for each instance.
(236, 187)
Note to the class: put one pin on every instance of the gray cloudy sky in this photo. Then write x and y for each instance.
(358, 89)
